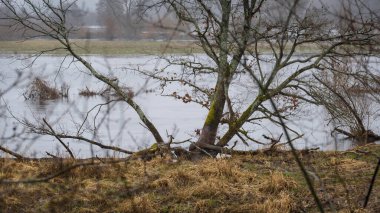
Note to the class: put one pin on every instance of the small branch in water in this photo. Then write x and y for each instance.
(59, 139)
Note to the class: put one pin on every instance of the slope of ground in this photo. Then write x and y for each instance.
(265, 182)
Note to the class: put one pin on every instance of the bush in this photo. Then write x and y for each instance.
(41, 90)
(87, 92)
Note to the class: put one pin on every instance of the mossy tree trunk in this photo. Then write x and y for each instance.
(210, 126)
(233, 45)
(215, 114)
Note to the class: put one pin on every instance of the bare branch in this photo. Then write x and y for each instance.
(59, 139)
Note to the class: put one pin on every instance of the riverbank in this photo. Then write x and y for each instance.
(100, 47)
(265, 182)
(121, 47)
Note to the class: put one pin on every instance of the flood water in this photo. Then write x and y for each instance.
(117, 124)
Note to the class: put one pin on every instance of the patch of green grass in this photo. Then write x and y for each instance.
(297, 176)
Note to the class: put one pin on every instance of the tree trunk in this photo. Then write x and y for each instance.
(210, 126)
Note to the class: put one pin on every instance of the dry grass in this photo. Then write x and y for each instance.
(259, 183)
(120, 47)
(41, 90)
(100, 47)
(87, 92)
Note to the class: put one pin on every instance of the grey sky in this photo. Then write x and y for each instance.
(91, 4)
(88, 4)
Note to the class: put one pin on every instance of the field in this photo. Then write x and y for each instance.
(99, 47)
(265, 182)
(119, 47)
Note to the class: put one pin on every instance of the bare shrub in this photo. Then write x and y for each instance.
(41, 90)
(87, 92)
(346, 98)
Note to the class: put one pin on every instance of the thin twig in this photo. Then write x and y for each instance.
(51, 155)
(59, 139)
(372, 184)
(114, 148)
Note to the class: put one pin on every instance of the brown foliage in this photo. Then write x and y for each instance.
(41, 90)
(87, 92)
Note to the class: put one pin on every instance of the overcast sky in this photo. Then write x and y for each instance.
(91, 4)
(88, 4)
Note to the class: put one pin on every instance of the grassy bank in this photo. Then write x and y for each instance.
(98, 47)
(243, 183)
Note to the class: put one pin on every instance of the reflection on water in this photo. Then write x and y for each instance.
(43, 106)
(117, 124)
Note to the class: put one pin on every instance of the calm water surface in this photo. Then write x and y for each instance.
(122, 127)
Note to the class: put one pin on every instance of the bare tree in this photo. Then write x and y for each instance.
(109, 13)
(297, 37)
(119, 18)
(34, 17)
(238, 37)
(281, 47)
(345, 91)
(346, 85)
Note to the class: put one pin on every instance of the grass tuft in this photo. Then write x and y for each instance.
(277, 183)
(87, 92)
(41, 90)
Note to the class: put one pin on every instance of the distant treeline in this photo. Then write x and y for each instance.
(116, 19)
